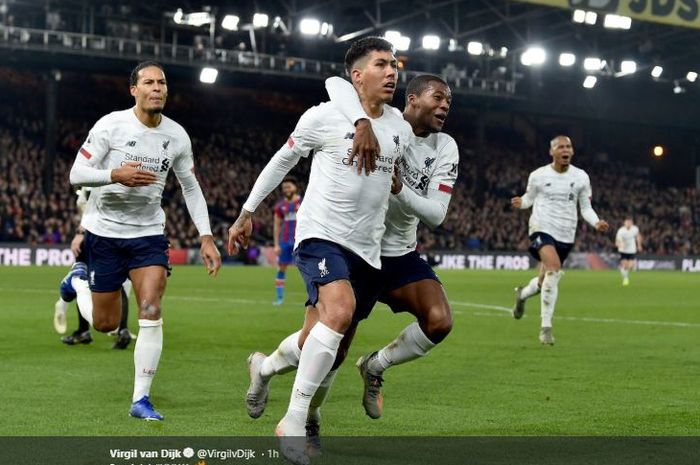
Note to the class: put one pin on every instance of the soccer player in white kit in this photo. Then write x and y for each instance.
(340, 223)
(553, 192)
(126, 159)
(406, 282)
(628, 242)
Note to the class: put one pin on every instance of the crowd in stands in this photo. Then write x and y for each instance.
(230, 153)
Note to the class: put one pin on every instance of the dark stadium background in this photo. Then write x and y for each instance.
(63, 64)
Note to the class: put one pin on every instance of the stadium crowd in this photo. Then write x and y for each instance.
(231, 152)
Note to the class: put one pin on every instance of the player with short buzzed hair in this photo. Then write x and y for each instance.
(554, 192)
(126, 158)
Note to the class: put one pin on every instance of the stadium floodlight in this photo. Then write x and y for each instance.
(431, 42)
(208, 75)
(310, 26)
(503, 52)
(178, 16)
(400, 42)
(197, 19)
(230, 22)
(593, 64)
(533, 56)
(617, 22)
(677, 89)
(691, 76)
(658, 151)
(579, 16)
(326, 29)
(475, 48)
(656, 72)
(567, 59)
(628, 67)
(260, 20)
(591, 17)
(589, 82)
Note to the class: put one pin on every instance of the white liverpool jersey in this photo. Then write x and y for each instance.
(628, 238)
(430, 163)
(125, 212)
(341, 205)
(556, 196)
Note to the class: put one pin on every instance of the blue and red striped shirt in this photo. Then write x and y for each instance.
(287, 211)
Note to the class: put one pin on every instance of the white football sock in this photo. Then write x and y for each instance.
(127, 285)
(625, 273)
(531, 288)
(316, 360)
(550, 290)
(411, 344)
(84, 299)
(284, 359)
(321, 395)
(147, 351)
(62, 304)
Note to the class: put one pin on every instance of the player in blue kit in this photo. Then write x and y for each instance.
(285, 224)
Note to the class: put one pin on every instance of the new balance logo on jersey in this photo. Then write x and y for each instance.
(165, 144)
(349, 135)
(131, 143)
(397, 141)
(323, 271)
(549, 184)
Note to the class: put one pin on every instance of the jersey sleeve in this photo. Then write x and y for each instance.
(618, 236)
(345, 98)
(308, 133)
(445, 174)
(584, 201)
(91, 153)
(278, 210)
(184, 161)
(306, 138)
(183, 167)
(531, 192)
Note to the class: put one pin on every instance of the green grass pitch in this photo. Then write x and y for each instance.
(626, 361)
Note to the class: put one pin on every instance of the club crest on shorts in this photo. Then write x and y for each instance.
(323, 271)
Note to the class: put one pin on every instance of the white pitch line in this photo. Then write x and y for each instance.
(498, 308)
(579, 318)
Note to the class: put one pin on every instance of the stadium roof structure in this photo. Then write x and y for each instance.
(190, 33)
(502, 26)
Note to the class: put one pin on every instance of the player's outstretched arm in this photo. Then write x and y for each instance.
(210, 255)
(197, 208)
(528, 198)
(239, 233)
(365, 145)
